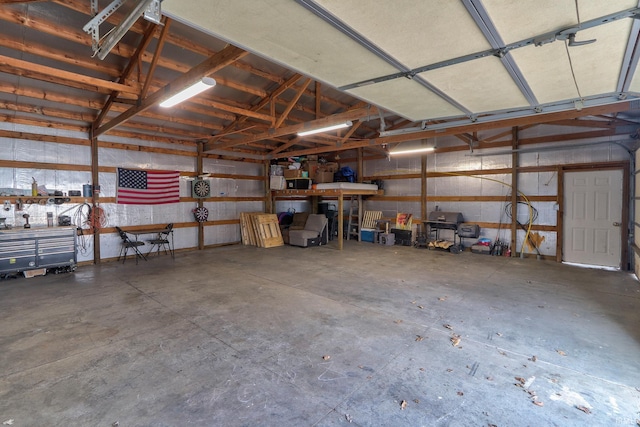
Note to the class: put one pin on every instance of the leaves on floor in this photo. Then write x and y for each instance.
(348, 418)
(448, 326)
(419, 338)
(538, 403)
(444, 298)
(326, 357)
(584, 409)
(533, 358)
(561, 353)
(421, 306)
(416, 400)
(455, 340)
(460, 393)
(403, 404)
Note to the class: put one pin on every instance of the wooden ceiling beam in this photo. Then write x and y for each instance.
(82, 6)
(133, 61)
(54, 29)
(291, 104)
(12, 118)
(156, 55)
(546, 118)
(584, 123)
(49, 74)
(263, 102)
(58, 55)
(95, 105)
(353, 114)
(210, 65)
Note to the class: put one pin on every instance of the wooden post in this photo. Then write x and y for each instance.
(340, 220)
(514, 193)
(560, 215)
(423, 192)
(624, 253)
(269, 203)
(360, 165)
(200, 171)
(95, 195)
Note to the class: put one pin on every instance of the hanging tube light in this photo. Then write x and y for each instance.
(193, 90)
(412, 151)
(325, 129)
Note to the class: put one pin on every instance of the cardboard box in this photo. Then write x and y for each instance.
(293, 173)
(323, 176)
(331, 167)
(311, 167)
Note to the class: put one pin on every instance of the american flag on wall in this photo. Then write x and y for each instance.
(141, 187)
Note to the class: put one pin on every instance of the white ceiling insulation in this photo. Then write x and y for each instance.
(428, 60)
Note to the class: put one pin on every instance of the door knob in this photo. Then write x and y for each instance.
(616, 224)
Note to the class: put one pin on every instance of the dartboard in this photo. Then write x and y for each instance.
(201, 188)
(201, 214)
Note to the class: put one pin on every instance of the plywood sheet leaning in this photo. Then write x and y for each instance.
(268, 230)
(247, 230)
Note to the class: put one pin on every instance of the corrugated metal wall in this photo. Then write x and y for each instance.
(539, 183)
(30, 154)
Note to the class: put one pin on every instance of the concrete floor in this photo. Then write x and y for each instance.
(242, 336)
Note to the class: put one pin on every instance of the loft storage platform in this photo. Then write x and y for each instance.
(334, 189)
(329, 193)
(338, 190)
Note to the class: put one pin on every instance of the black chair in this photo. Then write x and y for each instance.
(162, 241)
(127, 244)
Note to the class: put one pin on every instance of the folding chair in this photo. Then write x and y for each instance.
(163, 241)
(127, 244)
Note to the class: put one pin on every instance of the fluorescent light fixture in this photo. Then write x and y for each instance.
(193, 90)
(325, 129)
(413, 150)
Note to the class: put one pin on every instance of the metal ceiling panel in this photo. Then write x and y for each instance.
(283, 32)
(596, 66)
(415, 32)
(480, 85)
(407, 98)
(547, 71)
(519, 20)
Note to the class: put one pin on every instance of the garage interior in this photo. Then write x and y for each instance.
(520, 117)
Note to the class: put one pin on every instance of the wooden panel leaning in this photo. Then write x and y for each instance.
(260, 229)
(370, 219)
(268, 228)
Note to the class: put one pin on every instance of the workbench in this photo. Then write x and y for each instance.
(24, 249)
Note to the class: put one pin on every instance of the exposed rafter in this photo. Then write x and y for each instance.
(210, 65)
(354, 114)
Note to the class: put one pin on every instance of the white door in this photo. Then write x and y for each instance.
(593, 217)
